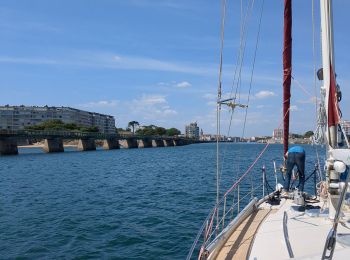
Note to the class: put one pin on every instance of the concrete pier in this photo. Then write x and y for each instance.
(8, 146)
(110, 144)
(54, 145)
(178, 142)
(157, 143)
(86, 144)
(144, 143)
(128, 143)
(168, 142)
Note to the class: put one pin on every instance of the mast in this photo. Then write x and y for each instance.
(329, 80)
(287, 70)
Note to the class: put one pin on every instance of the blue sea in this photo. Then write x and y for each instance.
(120, 204)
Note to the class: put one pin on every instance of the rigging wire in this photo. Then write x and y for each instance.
(239, 63)
(244, 22)
(251, 80)
(242, 50)
(253, 67)
(249, 9)
(241, 56)
(315, 83)
(218, 109)
(235, 184)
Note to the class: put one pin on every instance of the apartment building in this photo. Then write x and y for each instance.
(19, 117)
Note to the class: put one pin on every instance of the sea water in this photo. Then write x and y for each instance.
(121, 204)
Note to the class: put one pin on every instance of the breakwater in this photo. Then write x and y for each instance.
(53, 141)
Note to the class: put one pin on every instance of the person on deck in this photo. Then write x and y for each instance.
(295, 157)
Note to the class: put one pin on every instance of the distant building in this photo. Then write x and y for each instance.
(19, 117)
(206, 137)
(234, 139)
(346, 126)
(192, 131)
(277, 134)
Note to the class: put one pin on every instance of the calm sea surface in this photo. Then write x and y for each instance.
(121, 204)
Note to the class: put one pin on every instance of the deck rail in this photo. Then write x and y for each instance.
(223, 213)
(229, 211)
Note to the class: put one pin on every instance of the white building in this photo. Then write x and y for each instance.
(192, 131)
(19, 117)
(277, 134)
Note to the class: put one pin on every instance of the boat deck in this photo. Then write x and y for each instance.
(239, 243)
(307, 235)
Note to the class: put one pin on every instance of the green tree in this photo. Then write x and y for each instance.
(60, 125)
(71, 126)
(160, 131)
(91, 129)
(133, 125)
(146, 130)
(173, 131)
(308, 134)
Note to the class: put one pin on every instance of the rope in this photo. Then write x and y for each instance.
(215, 209)
(247, 171)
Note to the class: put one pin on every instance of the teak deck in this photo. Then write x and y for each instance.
(239, 243)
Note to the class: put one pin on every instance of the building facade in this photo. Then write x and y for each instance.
(277, 134)
(19, 117)
(192, 131)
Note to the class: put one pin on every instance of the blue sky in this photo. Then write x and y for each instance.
(156, 61)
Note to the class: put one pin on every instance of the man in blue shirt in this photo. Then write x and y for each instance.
(295, 157)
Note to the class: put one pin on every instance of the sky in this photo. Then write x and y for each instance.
(157, 61)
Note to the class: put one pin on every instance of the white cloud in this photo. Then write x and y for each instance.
(151, 100)
(209, 96)
(183, 84)
(264, 94)
(30, 61)
(114, 61)
(151, 108)
(117, 58)
(175, 84)
(167, 112)
(100, 104)
(211, 103)
(294, 108)
(311, 100)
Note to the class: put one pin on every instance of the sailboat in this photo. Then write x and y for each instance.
(299, 226)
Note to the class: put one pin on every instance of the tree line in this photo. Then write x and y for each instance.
(136, 128)
(133, 126)
(59, 125)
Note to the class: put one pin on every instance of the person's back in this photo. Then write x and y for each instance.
(295, 157)
(296, 149)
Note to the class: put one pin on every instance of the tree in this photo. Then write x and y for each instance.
(133, 125)
(173, 131)
(160, 131)
(308, 134)
(59, 125)
(91, 129)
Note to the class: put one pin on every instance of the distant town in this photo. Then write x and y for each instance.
(67, 118)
